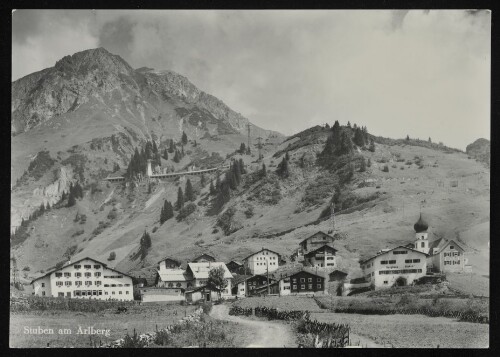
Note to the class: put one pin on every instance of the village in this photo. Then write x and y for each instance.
(264, 272)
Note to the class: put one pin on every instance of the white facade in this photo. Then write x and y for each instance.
(422, 242)
(86, 278)
(197, 275)
(384, 269)
(260, 262)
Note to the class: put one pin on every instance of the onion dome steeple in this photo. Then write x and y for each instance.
(421, 225)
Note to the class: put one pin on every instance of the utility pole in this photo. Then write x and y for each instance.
(260, 147)
(248, 128)
(267, 269)
(324, 283)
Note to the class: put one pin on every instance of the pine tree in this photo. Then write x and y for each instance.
(369, 163)
(203, 181)
(162, 215)
(248, 151)
(169, 210)
(182, 151)
(212, 188)
(230, 179)
(155, 148)
(177, 155)
(345, 146)
(48, 206)
(348, 124)
(149, 188)
(149, 150)
(287, 157)
(242, 148)
(372, 146)
(184, 138)
(282, 169)
(407, 137)
(180, 200)
(145, 244)
(189, 194)
(217, 183)
(71, 199)
(362, 167)
(42, 208)
(263, 172)
(242, 167)
(165, 154)
(237, 172)
(327, 126)
(358, 139)
(171, 149)
(430, 139)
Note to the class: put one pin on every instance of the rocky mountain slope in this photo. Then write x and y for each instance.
(480, 150)
(72, 110)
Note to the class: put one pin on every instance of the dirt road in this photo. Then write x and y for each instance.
(257, 333)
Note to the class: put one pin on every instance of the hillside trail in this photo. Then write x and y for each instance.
(258, 333)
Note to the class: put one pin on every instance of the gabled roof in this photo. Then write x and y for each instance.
(235, 262)
(308, 272)
(201, 270)
(263, 249)
(76, 262)
(390, 250)
(312, 235)
(169, 258)
(442, 243)
(338, 272)
(173, 275)
(240, 278)
(204, 255)
(330, 248)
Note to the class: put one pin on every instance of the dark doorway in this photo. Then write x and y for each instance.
(400, 281)
(207, 296)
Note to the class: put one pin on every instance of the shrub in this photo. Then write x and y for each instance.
(386, 168)
(78, 233)
(249, 212)
(225, 221)
(186, 211)
(112, 256)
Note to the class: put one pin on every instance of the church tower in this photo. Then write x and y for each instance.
(422, 241)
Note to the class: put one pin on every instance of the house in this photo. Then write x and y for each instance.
(239, 285)
(174, 278)
(261, 262)
(255, 284)
(155, 294)
(314, 242)
(443, 255)
(235, 267)
(169, 263)
(396, 266)
(446, 256)
(321, 257)
(201, 293)
(306, 282)
(203, 258)
(85, 278)
(197, 275)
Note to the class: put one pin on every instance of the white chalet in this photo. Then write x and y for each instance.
(85, 278)
(197, 275)
(262, 262)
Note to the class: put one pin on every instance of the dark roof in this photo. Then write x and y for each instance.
(315, 234)
(172, 259)
(390, 250)
(337, 272)
(203, 287)
(235, 262)
(308, 272)
(323, 246)
(279, 255)
(201, 256)
(421, 225)
(78, 261)
(239, 278)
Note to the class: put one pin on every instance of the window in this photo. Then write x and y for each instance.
(408, 260)
(318, 286)
(318, 280)
(98, 283)
(126, 292)
(120, 292)
(309, 279)
(60, 294)
(88, 283)
(78, 283)
(302, 280)
(58, 275)
(97, 274)
(129, 284)
(88, 275)
(383, 262)
(386, 282)
(452, 247)
(416, 260)
(87, 266)
(422, 245)
(303, 286)
(67, 275)
(76, 292)
(170, 285)
(97, 266)
(43, 293)
(112, 293)
(58, 283)
(106, 285)
(400, 252)
(177, 285)
(67, 283)
(94, 292)
(99, 292)
(294, 280)
(310, 286)
(329, 258)
(43, 285)
(78, 275)
(392, 262)
(77, 266)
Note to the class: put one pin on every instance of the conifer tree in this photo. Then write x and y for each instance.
(249, 152)
(212, 188)
(169, 210)
(145, 244)
(242, 167)
(237, 172)
(230, 179)
(407, 137)
(369, 163)
(430, 139)
(155, 148)
(162, 215)
(189, 194)
(177, 157)
(217, 183)
(202, 180)
(282, 169)
(171, 149)
(71, 199)
(287, 157)
(180, 200)
(362, 167)
(242, 148)
(358, 139)
(348, 124)
(165, 154)
(263, 171)
(184, 138)
(182, 151)
(42, 208)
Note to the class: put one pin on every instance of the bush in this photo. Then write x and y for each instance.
(186, 211)
(207, 307)
(78, 233)
(386, 168)
(112, 256)
(225, 221)
(249, 212)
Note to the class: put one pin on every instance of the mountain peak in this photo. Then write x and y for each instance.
(92, 59)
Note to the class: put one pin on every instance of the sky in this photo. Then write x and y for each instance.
(397, 72)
